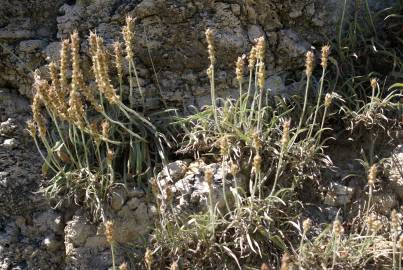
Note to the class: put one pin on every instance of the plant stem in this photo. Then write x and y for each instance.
(113, 258)
(321, 126)
(279, 167)
(308, 80)
(322, 79)
(335, 249)
(341, 29)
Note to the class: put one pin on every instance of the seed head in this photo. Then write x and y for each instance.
(325, 56)
(54, 76)
(31, 128)
(128, 36)
(285, 261)
(286, 133)
(257, 163)
(109, 232)
(118, 59)
(252, 58)
(64, 64)
(77, 80)
(174, 266)
(337, 228)
(109, 156)
(43, 89)
(328, 100)
(154, 186)
(37, 116)
(394, 221)
(224, 146)
(374, 83)
(234, 169)
(75, 56)
(256, 142)
(373, 223)
(210, 45)
(56, 92)
(210, 72)
(372, 175)
(240, 69)
(309, 63)
(76, 108)
(92, 40)
(123, 266)
(261, 76)
(260, 49)
(102, 73)
(401, 243)
(105, 128)
(306, 225)
(148, 258)
(209, 176)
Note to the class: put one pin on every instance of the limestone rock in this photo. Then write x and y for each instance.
(10, 143)
(384, 202)
(338, 195)
(191, 193)
(177, 169)
(78, 230)
(396, 172)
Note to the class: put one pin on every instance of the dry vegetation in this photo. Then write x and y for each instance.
(97, 139)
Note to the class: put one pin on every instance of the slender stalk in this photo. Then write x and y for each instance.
(371, 20)
(131, 97)
(394, 240)
(113, 257)
(85, 150)
(259, 112)
(300, 246)
(62, 138)
(322, 79)
(138, 83)
(43, 156)
(335, 250)
(341, 28)
(75, 144)
(214, 99)
(321, 125)
(224, 174)
(369, 199)
(278, 170)
(249, 86)
(240, 105)
(252, 107)
(308, 81)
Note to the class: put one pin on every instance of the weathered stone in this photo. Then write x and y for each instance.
(396, 172)
(191, 193)
(7, 127)
(118, 197)
(338, 195)
(52, 244)
(78, 230)
(10, 143)
(384, 202)
(177, 169)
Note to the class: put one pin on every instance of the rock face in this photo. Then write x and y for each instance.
(190, 190)
(31, 233)
(171, 32)
(396, 172)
